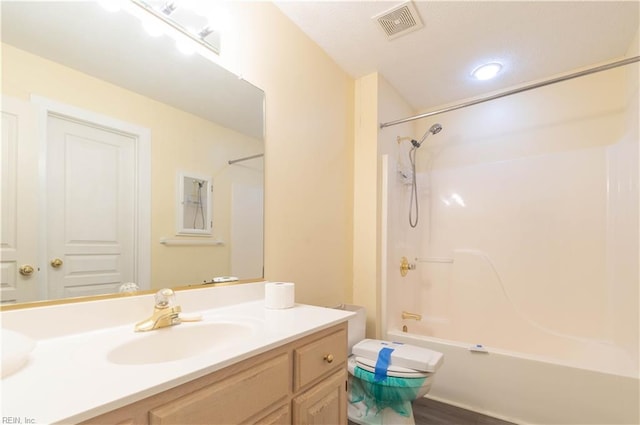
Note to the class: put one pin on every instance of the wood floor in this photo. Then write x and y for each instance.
(431, 412)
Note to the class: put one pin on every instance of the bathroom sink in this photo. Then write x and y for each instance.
(15, 351)
(179, 342)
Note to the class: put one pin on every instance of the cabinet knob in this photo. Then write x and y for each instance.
(328, 358)
(56, 262)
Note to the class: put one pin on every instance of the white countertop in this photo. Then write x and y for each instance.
(69, 378)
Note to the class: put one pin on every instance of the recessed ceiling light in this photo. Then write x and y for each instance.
(487, 71)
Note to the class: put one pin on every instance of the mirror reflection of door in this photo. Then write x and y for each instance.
(75, 214)
(19, 272)
(91, 204)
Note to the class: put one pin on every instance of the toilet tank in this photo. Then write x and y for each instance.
(357, 324)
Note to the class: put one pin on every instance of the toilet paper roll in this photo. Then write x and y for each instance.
(279, 295)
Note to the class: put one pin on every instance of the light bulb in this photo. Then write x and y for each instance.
(487, 71)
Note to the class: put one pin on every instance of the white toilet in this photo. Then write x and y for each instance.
(385, 377)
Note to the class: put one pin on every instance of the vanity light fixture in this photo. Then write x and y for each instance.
(168, 8)
(205, 32)
(182, 24)
(486, 71)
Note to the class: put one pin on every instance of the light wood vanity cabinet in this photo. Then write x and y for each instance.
(303, 382)
(325, 403)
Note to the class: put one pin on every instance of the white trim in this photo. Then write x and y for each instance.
(142, 135)
(384, 242)
(191, 242)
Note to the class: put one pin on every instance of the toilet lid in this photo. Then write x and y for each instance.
(396, 371)
(405, 355)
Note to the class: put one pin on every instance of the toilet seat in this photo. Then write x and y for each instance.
(395, 371)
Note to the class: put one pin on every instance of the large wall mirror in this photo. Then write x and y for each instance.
(100, 121)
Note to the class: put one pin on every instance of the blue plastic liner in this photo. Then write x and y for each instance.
(395, 393)
(382, 363)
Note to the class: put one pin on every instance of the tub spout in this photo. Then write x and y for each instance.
(413, 316)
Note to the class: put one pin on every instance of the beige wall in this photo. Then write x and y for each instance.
(376, 102)
(309, 152)
(366, 286)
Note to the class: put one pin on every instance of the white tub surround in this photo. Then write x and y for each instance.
(69, 373)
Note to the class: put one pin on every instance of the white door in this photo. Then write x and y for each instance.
(19, 193)
(91, 208)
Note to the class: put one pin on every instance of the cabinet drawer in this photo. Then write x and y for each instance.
(320, 357)
(232, 400)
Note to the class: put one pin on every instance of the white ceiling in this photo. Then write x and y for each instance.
(431, 66)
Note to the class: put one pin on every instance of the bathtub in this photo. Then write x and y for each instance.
(528, 388)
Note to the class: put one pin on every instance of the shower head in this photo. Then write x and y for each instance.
(434, 129)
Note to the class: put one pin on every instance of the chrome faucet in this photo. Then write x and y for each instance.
(165, 312)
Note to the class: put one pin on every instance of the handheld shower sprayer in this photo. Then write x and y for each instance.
(413, 203)
(434, 129)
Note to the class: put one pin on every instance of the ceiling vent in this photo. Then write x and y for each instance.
(399, 20)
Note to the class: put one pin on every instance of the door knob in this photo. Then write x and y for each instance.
(56, 262)
(405, 266)
(26, 270)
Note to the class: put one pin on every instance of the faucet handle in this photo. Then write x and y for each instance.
(129, 288)
(165, 298)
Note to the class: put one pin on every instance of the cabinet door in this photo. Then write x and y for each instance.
(282, 416)
(323, 404)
